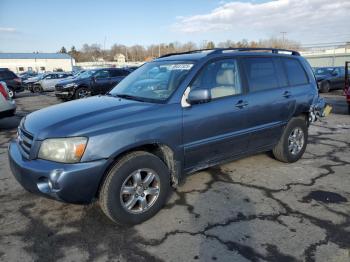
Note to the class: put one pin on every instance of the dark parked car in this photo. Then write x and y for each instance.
(127, 148)
(91, 82)
(13, 82)
(27, 75)
(329, 78)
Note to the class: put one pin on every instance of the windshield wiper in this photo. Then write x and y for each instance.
(130, 97)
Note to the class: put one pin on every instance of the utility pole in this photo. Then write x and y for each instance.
(104, 49)
(159, 50)
(283, 38)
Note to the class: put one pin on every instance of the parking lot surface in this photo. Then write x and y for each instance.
(254, 209)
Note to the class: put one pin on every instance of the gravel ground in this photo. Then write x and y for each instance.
(254, 209)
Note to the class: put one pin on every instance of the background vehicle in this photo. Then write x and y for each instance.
(13, 82)
(27, 75)
(7, 105)
(29, 83)
(329, 78)
(127, 148)
(91, 82)
(48, 82)
(347, 84)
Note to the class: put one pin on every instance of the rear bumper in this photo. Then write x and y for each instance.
(10, 111)
(72, 183)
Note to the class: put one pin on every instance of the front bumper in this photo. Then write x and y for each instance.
(66, 93)
(73, 183)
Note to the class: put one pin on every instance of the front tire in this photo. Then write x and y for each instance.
(135, 188)
(37, 89)
(293, 141)
(82, 92)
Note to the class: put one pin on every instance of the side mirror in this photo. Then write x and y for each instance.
(199, 96)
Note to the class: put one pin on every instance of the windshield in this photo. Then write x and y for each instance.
(86, 74)
(154, 81)
(324, 71)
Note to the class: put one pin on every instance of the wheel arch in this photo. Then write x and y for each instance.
(161, 150)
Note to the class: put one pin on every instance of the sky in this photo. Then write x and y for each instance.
(46, 26)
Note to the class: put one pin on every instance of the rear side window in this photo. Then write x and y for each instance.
(261, 73)
(295, 72)
(7, 75)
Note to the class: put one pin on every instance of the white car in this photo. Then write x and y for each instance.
(7, 104)
(48, 82)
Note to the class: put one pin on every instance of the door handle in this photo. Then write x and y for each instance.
(287, 94)
(241, 104)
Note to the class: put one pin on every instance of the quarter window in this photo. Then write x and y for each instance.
(261, 73)
(295, 73)
(220, 77)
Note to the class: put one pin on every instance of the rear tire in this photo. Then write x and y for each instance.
(325, 87)
(293, 141)
(115, 203)
(12, 93)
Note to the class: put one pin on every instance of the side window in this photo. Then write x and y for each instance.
(118, 72)
(102, 74)
(62, 75)
(261, 73)
(52, 76)
(295, 72)
(221, 77)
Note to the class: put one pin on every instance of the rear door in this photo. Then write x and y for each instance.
(270, 100)
(216, 130)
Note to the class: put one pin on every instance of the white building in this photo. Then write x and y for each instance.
(120, 58)
(39, 62)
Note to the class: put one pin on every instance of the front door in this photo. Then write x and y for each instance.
(216, 130)
(102, 82)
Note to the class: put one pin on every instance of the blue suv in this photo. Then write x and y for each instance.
(173, 116)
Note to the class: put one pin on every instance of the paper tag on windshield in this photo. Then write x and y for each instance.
(181, 67)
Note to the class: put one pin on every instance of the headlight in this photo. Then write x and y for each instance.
(64, 150)
(69, 85)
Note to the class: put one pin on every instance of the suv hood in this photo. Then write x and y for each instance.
(85, 117)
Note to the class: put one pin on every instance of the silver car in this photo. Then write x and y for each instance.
(7, 104)
(48, 82)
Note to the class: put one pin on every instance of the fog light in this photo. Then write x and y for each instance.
(54, 178)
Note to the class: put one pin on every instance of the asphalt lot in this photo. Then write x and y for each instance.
(254, 209)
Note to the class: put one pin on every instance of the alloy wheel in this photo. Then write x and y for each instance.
(296, 141)
(140, 191)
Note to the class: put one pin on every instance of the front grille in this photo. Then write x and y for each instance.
(58, 87)
(25, 141)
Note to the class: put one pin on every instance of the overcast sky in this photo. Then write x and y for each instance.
(46, 26)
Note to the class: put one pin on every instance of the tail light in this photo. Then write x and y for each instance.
(18, 80)
(3, 91)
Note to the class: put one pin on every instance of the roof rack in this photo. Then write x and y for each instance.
(242, 49)
(188, 52)
(238, 49)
